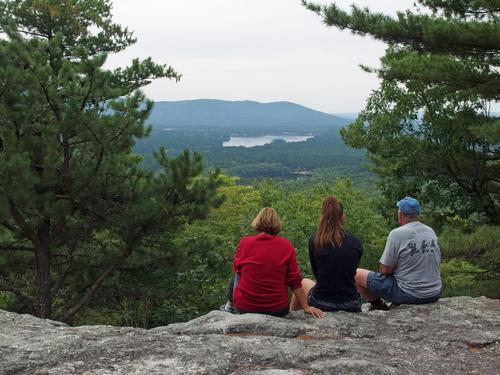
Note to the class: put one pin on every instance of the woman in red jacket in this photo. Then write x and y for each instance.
(265, 266)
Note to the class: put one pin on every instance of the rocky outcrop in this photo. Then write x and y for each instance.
(453, 336)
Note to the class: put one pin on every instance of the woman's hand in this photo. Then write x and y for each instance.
(301, 297)
(317, 313)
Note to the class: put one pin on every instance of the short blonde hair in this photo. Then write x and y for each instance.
(268, 221)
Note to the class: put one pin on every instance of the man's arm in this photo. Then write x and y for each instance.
(386, 270)
(389, 257)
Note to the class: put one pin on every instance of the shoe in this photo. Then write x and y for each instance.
(380, 306)
(229, 309)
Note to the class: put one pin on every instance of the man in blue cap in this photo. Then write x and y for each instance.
(409, 266)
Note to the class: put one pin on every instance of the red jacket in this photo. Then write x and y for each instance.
(266, 265)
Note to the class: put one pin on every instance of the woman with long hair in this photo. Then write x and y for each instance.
(334, 255)
(264, 268)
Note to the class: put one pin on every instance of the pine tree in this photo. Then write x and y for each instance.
(74, 200)
(428, 128)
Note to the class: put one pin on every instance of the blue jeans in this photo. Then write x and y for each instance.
(386, 286)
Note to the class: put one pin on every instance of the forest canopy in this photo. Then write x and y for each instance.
(428, 128)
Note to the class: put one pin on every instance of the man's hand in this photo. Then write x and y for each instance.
(317, 313)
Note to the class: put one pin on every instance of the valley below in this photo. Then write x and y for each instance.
(255, 141)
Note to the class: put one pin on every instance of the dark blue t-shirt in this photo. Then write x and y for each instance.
(335, 268)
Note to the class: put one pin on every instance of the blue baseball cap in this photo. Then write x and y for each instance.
(409, 206)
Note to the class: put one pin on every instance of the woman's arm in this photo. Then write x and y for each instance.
(237, 258)
(301, 297)
(294, 281)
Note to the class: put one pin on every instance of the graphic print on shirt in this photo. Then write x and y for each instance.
(425, 247)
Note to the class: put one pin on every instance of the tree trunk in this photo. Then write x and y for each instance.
(44, 298)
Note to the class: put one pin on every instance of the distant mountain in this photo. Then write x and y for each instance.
(277, 116)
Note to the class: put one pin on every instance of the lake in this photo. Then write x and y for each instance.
(247, 141)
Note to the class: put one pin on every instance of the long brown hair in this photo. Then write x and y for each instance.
(330, 230)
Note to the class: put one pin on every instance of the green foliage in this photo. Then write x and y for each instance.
(75, 205)
(177, 276)
(201, 282)
(300, 211)
(428, 129)
(460, 278)
(321, 155)
(480, 245)
(471, 259)
(191, 275)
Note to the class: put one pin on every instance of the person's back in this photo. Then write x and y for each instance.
(334, 256)
(409, 266)
(265, 266)
(334, 268)
(263, 262)
(414, 251)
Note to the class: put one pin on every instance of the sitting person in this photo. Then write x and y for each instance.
(334, 255)
(264, 266)
(409, 266)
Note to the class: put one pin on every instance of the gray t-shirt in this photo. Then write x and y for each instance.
(412, 251)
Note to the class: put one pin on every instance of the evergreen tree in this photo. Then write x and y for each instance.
(428, 129)
(74, 201)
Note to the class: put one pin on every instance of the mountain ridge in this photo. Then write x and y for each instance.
(280, 115)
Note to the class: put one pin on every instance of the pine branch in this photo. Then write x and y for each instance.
(91, 84)
(92, 176)
(14, 247)
(21, 222)
(91, 289)
(52, 106)
(33, 33)
(11, 227)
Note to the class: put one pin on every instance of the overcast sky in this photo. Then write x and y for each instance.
(263, 50)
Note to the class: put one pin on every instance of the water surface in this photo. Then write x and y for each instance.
(247, 141)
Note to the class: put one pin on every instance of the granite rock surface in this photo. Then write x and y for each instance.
(459, 335)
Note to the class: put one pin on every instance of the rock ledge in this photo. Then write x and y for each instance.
(454, 335)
